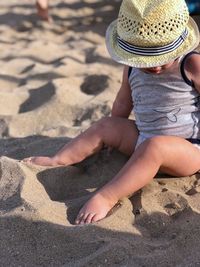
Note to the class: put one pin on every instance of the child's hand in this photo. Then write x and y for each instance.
(42, 161)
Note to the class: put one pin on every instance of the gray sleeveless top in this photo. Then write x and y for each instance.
(165, 104)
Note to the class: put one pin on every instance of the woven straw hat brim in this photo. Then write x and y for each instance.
(138, 61)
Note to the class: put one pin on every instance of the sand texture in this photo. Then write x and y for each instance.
(56, 80)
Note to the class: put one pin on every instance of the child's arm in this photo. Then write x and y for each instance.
(192, 67)
(123, 104)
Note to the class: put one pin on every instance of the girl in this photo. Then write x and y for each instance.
(161, 82)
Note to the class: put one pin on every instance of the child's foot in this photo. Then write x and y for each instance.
(95, 209)
(42, 161)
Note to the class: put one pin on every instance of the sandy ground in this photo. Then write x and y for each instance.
(55, 80)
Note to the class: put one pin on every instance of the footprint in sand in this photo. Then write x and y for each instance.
(92, 114)
(172, 203)
(38, 97)
(94, 84)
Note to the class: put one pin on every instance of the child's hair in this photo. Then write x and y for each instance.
(151, 33)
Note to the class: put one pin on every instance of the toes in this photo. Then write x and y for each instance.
(42, 161)
(89, 218)
(28, 160)
(25, 160)
(79, 218)
(84, 218)
(94, 210)
(96, 218)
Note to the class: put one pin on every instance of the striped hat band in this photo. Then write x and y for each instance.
(152, 51)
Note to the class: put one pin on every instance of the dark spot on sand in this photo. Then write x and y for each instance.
(191, 192)
(94, 84)
(164, 190)
(38, 97)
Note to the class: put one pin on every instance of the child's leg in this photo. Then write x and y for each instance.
(110, 131)
(173, 155)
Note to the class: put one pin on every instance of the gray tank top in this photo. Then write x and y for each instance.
(165, 104)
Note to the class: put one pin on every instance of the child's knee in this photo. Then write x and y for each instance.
(101, 125)
(107, 129)
(154, 146)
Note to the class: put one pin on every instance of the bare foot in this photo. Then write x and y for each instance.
(42, 161)
(42, 10)
(95, 209)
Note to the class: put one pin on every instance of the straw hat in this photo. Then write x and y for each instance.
(150, 33)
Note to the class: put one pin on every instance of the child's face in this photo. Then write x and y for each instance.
(159, 69)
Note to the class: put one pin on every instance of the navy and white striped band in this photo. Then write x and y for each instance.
(152, 51)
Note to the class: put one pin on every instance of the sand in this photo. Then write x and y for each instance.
(56, 80)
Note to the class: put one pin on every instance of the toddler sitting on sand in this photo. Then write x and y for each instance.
(161, 83)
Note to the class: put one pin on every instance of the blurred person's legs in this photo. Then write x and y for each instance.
(42, 9)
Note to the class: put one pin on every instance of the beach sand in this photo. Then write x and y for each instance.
(56, 80)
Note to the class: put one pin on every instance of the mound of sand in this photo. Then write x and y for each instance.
(159, 224)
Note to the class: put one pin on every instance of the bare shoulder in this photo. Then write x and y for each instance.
(192, 67)
(192, 64)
